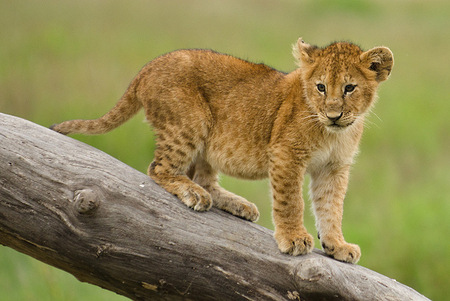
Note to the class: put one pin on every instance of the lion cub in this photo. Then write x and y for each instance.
(216, 113)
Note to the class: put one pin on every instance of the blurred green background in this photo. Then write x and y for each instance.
(62, 60)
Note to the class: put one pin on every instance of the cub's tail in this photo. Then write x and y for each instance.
(125, 108)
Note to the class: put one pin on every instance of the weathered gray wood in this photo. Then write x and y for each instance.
(78, 209)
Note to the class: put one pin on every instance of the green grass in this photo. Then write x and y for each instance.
(73, 59)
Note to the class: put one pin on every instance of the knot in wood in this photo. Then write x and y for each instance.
(86, 201)
(311, 270)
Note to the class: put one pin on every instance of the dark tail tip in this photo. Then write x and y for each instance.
(53, 126)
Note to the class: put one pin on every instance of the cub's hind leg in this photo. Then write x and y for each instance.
(169, 168)
(181, 120)
(206, 176)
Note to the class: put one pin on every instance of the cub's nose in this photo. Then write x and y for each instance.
(334, 116)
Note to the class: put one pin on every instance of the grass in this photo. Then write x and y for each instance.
(73, 59)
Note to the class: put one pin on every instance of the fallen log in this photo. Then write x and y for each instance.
(80, 210)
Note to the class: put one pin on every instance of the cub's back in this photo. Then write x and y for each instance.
(212, 72)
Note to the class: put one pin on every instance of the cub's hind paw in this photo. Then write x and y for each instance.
(295, 243)
(196, 198)
(249, 211)
(237, 206)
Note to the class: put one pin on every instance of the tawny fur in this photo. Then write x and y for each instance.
(215, 113)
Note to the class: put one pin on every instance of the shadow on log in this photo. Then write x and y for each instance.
(80, 210)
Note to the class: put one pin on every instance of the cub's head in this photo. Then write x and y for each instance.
(340, 80)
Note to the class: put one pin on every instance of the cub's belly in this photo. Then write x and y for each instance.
(238, 159)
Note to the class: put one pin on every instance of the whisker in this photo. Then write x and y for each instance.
(368, 122)
(376, 116)
(311, 121)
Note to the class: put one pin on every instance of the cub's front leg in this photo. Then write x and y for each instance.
(286, 179)
(328, 188)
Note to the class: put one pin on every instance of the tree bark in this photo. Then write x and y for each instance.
(80, 210)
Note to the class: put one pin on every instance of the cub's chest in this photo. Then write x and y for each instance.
(337, 151)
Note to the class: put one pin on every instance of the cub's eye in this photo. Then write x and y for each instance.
(321, 88)
(349, 88)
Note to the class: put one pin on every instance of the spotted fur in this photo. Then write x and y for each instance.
(216, 113)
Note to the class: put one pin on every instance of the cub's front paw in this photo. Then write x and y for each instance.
(295, 242)
(343, 252)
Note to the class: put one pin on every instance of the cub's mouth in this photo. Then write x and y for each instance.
(338, 127)
(336, 121)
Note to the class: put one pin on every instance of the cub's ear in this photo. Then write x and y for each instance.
(380, 60)
(303, 53)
